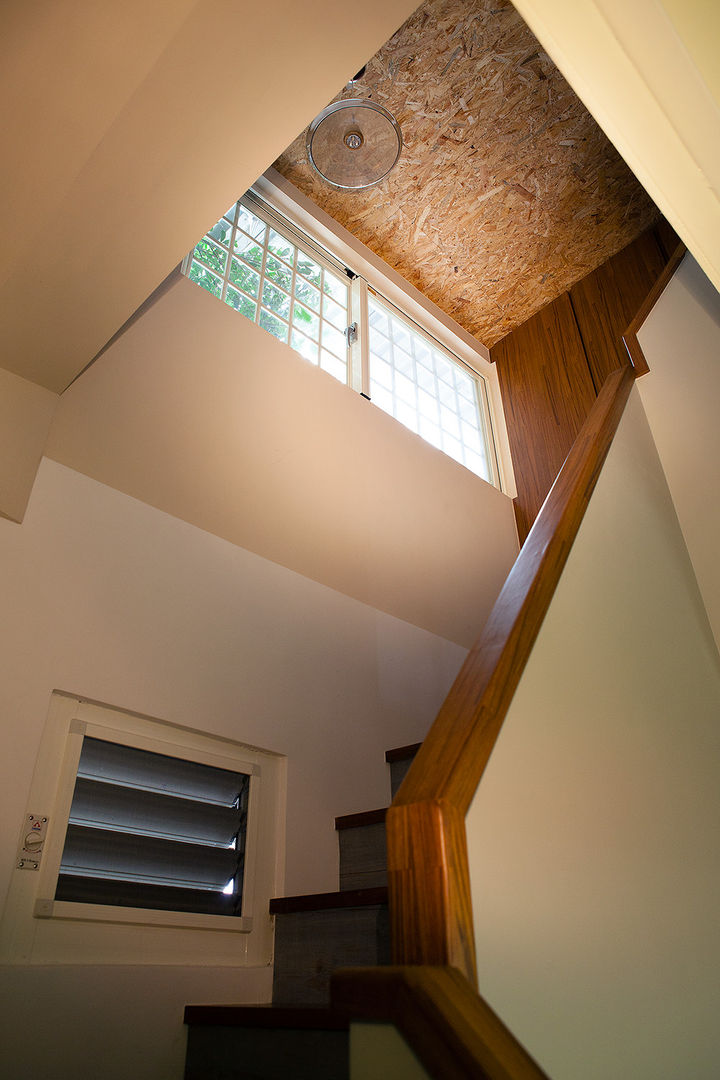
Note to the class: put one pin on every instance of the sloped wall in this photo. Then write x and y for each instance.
(681, 342)
(202, 414)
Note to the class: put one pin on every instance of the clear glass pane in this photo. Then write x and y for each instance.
(471, 438)
(281, 247)
(406, 415)
(422, 388)
(380, 372)
(425, 379)
(333, 366)
(464, 384)
(468, 411)
(248, 250)
(336, 288)
(251, 224)
(277, 301)
(333, 340)
(203, 277)
(446, 394)
(449, 422)
(403, 362)
(400, 335)
(378, 319)
(380, 345)
(430, 432)
(428, 406)
(241, 303)
(245, 278)
(309, 268)
(423, 353)
(477, 464)
(273, 325)
(405, 389)
(306, 321)
(308, 294)
(444, 369)
(304, 346)
(335, 313)
(222, 232)
(278, 272)
(381, 397)
(213, 256)
(452, 448)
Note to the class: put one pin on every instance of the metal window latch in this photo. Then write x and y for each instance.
(351, 333)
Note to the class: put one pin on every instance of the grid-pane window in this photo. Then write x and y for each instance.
(423, 388)
(246, 261)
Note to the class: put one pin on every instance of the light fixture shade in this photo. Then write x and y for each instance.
(353, 143)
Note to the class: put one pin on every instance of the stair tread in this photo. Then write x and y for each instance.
(283, 905)
(365, 817)
(402, 752)
(319, 1017)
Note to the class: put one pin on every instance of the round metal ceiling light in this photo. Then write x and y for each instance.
(353, 143)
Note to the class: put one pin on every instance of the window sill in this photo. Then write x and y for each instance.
(105, 913)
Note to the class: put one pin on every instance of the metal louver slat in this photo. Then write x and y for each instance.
(138, 811)
(140, 895)
(99, 852)
(130, 766)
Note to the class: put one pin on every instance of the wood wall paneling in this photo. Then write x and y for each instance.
(547, 393)
(606, 300)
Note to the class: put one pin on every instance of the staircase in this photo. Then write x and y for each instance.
(299, 1035)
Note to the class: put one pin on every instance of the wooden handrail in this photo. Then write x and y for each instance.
(431, 993)
(453, 1031)
(429, 884)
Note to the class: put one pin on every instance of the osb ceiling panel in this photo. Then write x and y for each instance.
(506, 192)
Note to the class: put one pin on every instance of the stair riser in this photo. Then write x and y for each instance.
(398, 772)
(232, 1053)
(363, 857)
(309, 945)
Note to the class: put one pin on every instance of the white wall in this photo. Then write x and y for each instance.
(594, 833)
(109, 598)
(197, 411)
(681, 396)
(25, 414)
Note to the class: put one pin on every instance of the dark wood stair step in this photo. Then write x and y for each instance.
(314, 1017)
(265, 1042)
(345, 898)
(365, 817)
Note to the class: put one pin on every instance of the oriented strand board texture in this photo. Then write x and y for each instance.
(506, 192)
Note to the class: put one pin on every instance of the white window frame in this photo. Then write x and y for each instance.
(31, 900)
(327, 241)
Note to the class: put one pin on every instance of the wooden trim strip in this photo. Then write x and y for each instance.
(455, 1034)
(630, 340)
(430, 904)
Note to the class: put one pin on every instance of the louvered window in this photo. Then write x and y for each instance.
(151, 831)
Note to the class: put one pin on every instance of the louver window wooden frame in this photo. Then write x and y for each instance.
(149, 830)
